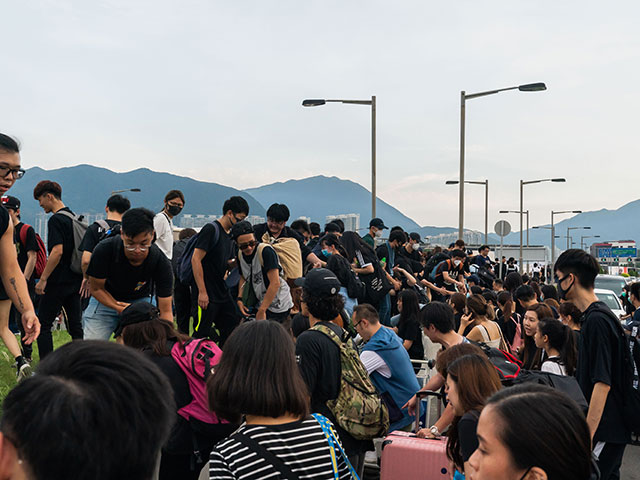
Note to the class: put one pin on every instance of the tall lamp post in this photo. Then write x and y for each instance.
(372, 103)
(574, 228)
(526, 212)
(113, 192)
(582, 237)
(553, 233)
(486, 203)
(529, 87)
(522, 184)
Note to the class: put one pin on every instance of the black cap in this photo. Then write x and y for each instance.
(241, 228)
(414, 236)
(320, 282)
(378, 223)
(135, 313)
(10, 202)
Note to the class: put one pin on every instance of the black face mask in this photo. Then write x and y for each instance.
(562, 292)
(173, 210)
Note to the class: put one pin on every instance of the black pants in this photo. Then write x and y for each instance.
(51, 302)
(183, 302)
(27, 350)
(610, 460)
(223, 315)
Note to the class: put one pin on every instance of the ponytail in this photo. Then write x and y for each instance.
(561, 338)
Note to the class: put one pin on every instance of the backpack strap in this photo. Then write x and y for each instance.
(261, 451)
(67, 214)
(23, 234)
(104, 224)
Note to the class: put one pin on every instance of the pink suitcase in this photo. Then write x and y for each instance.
(407, 457)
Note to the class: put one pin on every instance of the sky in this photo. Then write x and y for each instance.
(213, 90)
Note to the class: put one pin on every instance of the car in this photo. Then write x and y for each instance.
(611, 282)
(611, 300)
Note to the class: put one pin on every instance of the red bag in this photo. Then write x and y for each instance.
(41, 257)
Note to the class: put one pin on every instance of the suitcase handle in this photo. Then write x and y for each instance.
(429, 393)
(423, 394)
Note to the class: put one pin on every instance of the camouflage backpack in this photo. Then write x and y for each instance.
(358, 408)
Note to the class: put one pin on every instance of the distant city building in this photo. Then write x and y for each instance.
(306, 219)
(41, 225)
(351, 221)
(255, 219)
(196, 221)
(92, 217)
(621, 250)
(445, 239)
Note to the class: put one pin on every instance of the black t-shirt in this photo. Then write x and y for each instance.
(60, 228)
(93, 235)
(601, 360)
(30, 243)
(467, 426)
(4, 224)
(269, 262)
(413, 256)
(382, 251)
(287, 232)
(126, 282)
(341, 267)
(214, 264)
(447, 266)
(410, 330)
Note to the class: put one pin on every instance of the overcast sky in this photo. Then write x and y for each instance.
(213, 89)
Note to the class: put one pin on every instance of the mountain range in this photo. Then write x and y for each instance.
(86, 189)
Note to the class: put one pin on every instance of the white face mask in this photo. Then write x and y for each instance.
(378, 233)
(415, 247)
(457, 262)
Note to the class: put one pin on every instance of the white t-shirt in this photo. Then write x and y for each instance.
(163, 226)
(374, 362)
(550, 366)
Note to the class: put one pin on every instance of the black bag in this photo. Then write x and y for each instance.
(507, 365)
(435, 260)
(376, 284)
(355, 287)
(566, 384)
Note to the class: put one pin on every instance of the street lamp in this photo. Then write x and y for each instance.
(529, 87)
(526, 212)
(553, 233)
(486, 203)
(574, 228)
(372, 103)
(522, 184)
(582, 237)
(113, 192)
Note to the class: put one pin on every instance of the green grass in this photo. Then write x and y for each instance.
(8, 373)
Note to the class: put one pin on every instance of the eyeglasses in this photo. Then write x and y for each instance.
(244, 246)
(133, 248)
(16, 173)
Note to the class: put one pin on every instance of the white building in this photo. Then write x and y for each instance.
(351, 221)
(196, 221)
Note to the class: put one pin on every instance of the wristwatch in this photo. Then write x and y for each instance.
(434, 431)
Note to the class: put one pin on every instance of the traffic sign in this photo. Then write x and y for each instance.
(502, 228)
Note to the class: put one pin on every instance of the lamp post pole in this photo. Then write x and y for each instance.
(553, 233)
(486, 203)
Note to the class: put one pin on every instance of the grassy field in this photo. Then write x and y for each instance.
(8, 372)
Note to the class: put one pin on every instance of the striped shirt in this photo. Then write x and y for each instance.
(301, 446)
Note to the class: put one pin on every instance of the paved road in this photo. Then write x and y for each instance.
(631, 463)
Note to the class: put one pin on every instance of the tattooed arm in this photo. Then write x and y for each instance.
(16, 286)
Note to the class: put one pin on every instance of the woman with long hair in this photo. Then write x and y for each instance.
(408, 328)
(338, 263)
(530, 355)
(458, 302)
(509, 321)
(557, 341)
(485, 330)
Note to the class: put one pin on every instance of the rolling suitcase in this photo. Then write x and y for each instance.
(407, 457)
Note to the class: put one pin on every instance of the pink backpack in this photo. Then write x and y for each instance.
(196, 357)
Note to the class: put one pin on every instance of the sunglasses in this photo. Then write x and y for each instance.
(244, 246)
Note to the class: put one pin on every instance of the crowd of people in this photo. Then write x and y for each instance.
(282, 351)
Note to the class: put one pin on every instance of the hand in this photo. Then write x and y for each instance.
(462, 287)
(85, 290)
(396, 284)
(411, 406)
(261, 314)
(466, 319)
(243, 310)
(203, 300)
(444, 291)
(425, 433)
(318, 264)
(31, 326)
(40, 286)
(121, 306)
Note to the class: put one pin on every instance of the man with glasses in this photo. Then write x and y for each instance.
(59, 285)
(260, 274)
(163, 221)
(212, 258)
(124, 269)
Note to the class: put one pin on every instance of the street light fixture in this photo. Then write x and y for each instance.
(318, 102)
(113, 192)
(574, 228)
(553, 233)
(582, 237)
(526, 212)
(486, 203)
(522, 184)
(529, 87)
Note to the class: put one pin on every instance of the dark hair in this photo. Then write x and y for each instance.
(447, 356)
(8, 144)
(241, 228)
(397, 235)
(457, 253)
(475, 289)
(583, 265)
(332, 227)
(498, 281)
(236, 204)
(561, 338)
(512, 281)
(531, 355)
(340, 223)
(479, 307)
(568, 309)
(186, 233)
(536, 289)
(152, 335)
(364, 310)
(506, 304)
(314, 227)
(438, 314)
(634, 289)
(278, 212)
(541, 310)
(258, 375)
(47, 186)
(476, 379)
(410, 306)
(564, 451)
(414, 236)
(459, 243)
(171, 194)
(300, 226)
(351, 242)
(118, 203)
(333, 241)
(549, 291)
(90, 400)
(136, 221)
(482, 247)
(490, 296)
(525, 278)
(553, 303)
(459, 301)
(525, 293)
(325, 308)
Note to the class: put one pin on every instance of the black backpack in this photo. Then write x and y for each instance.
(434, 260)
(566, 384)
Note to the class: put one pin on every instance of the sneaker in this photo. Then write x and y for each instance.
(24, 371)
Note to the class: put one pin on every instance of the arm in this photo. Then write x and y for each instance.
(198, 275)
(104, 297)
(31, 264)
(52, 262)
(474, 335)
(441, 291)
(243, 310)
(465, 320)
(411, 281)
(396, 284)
(364, 271)
(435, 383)
(272, 290)
(16, 286)
(407, 344)
(166, 311)
(596, 406)
(448, 279)
(314, 260)
(85, 288)
(441, 424)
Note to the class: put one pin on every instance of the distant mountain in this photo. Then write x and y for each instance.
(85, 189)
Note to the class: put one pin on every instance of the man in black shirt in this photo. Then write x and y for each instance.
(212, 258)
(387, 255)
(116, 206)
(124, 269)
(600, 363)
(58, 285)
